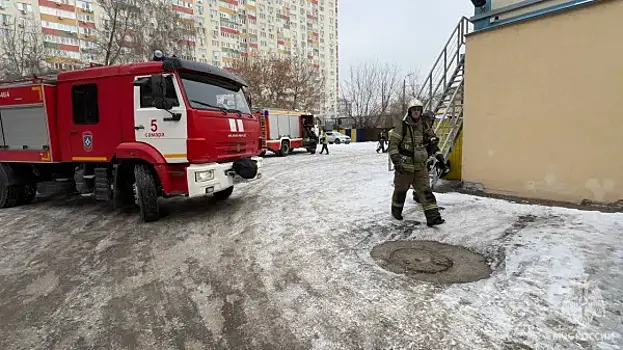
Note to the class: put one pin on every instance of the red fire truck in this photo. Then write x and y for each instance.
(129, 134)
(287, 130)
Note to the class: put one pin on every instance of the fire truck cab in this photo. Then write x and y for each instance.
(129, 134)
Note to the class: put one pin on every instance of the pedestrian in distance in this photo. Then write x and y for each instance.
(325, 141)
(382, 139)
(407, 150)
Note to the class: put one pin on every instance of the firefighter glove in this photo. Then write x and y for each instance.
(399, 167)
(398, 163)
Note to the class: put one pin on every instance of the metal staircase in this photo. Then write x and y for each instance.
(442, 93)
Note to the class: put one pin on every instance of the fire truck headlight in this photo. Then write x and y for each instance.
(203, 176)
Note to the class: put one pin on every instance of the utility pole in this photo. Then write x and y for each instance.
(404, 92)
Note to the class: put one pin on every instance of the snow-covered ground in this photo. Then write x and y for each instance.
(285, 264)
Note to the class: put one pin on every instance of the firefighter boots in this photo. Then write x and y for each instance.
(397, 212)
(433, 217)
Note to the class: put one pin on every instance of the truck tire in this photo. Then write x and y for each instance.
(224, 194)
(284, 149)
(9, 194)
(146, 193)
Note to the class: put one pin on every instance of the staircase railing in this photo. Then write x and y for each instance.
(451, 121)
(447, 127)
(440, 76)
(439, 83)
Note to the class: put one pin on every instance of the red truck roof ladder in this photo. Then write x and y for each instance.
(263, 130)
(33, 80)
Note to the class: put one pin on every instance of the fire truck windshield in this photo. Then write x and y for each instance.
(205, 93)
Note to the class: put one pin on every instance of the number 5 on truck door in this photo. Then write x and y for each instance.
(168, 137)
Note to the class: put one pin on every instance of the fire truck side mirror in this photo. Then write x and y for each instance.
(159, 92)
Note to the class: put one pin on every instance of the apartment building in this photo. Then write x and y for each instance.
(66, 27)
(227, 30)
(233, 29)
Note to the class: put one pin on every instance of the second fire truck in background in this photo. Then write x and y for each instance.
(286, 130)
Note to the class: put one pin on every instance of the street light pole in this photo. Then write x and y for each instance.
(404, 92)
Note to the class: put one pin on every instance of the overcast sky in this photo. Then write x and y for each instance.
(410, 33)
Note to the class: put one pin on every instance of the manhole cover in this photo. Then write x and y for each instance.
(420, 260)
(431, 261)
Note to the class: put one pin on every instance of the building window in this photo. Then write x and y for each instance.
(24, 7)
(85, 107)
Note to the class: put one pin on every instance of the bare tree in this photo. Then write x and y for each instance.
(120, 20)
(307, 84)
(131, 30)
(371, 88)
(359, 89)
(387, 84)
(21, 50)
(288, 82)
(253, 70)
(413, 85)
(164, 29)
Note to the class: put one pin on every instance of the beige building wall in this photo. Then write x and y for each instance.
(542, 106)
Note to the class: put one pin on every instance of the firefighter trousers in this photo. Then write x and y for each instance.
(421, 186)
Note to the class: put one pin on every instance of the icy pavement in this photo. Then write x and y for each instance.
(285, 264)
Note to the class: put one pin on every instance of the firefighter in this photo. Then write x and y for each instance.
(313, 139)
(407, 150)
(325, 141)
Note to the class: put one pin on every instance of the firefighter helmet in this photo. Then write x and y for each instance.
(158, 56)
(414, 102)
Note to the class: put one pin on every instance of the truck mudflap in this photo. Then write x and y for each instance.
(209, 178)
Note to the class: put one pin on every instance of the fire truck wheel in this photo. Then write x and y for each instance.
(146, 193)
(285, 149)
(9, 194)
(224, 194)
